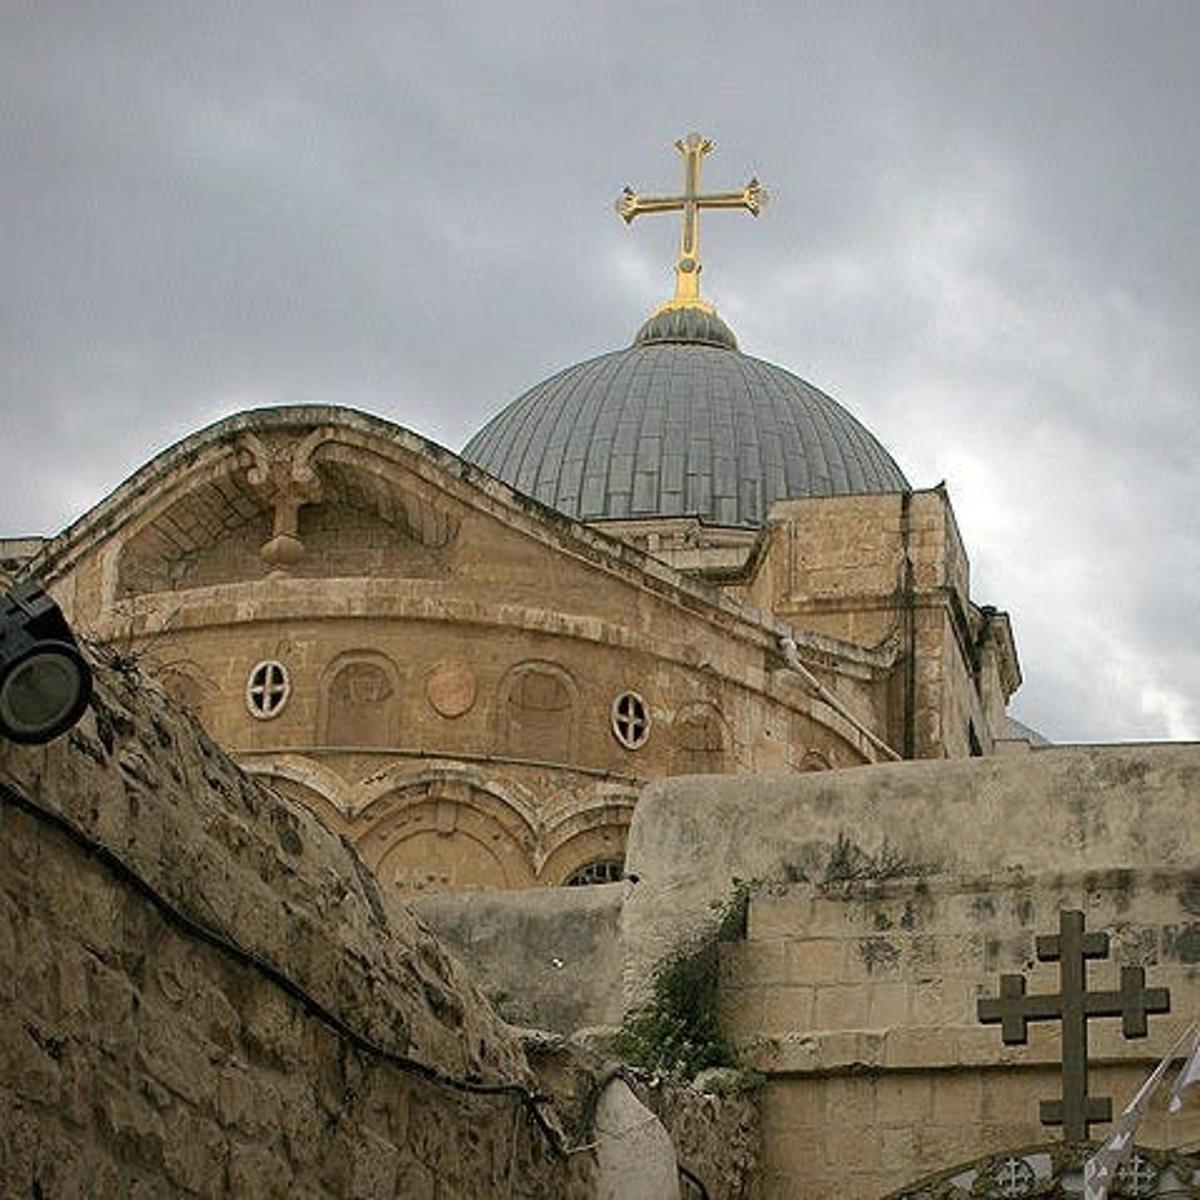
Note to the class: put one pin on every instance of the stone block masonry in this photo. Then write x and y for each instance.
(202, 993)
(859, 1001)
(884, 904)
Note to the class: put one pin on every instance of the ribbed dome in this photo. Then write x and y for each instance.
(687, 324)
(680, 428)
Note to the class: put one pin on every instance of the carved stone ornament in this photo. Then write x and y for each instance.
(1054, 1169)
(1074, 1004)
(283, 473)
(451, 688)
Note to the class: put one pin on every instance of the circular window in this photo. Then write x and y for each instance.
(1137, 1177)
(603, 870)
(268, 689)
(630, 720)
(1011, 1179)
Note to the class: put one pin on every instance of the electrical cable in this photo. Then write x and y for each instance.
(200, 932)
(530, 1101)
(791, 656)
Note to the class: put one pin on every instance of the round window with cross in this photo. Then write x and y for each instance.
(268, 689)
(1136, 1177)
(630, 720)
(1010, 1179)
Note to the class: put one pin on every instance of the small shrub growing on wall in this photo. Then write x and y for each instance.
(677, 1034)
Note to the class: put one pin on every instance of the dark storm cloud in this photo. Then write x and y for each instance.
(982, 239)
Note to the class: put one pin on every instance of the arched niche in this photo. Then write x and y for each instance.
(357, 478)
(447, 834)
(595, 834)
(698, 739)
(813, 760)
(208, 536)
(342, 540)
(360, 701)
(317, 501)
(189, 685)
(537, 712)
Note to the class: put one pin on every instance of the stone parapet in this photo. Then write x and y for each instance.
(885, 902)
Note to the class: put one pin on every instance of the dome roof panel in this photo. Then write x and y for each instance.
(675, 428)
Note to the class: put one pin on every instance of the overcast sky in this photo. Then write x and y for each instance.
(983, 239)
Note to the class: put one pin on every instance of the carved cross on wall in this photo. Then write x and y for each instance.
(1073, 1004)
(286, 477)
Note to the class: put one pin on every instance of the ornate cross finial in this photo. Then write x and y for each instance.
(1073, 1004)
(687, 269)
(284, 475)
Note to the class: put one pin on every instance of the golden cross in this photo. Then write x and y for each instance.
(687, 270)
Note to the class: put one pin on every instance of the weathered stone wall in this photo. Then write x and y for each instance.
(1054, 810)
(891, 899)
(891, 571)
(546, 959)
(453, 650)
(859, 1000)
(202, 992)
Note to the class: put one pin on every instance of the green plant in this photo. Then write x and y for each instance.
(735, 1081)
(677, 1033)
(505, 1005)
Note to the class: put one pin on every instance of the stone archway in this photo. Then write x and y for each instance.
(592, 835)
(447, 834)
(309, 783)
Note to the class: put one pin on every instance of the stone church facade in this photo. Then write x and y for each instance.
(673, 577)
(671, 559)
(474, 686)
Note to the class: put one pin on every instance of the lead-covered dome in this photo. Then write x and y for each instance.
(680, 424)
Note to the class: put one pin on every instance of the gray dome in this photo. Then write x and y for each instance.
(679, 428)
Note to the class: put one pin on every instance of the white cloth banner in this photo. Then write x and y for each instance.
(1100, 1170)
(1186, 1077)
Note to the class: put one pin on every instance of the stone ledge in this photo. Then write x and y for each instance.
(936, 1048)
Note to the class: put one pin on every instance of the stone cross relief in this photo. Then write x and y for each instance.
(285, 475)
(286, 478)
(1073, 1005)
